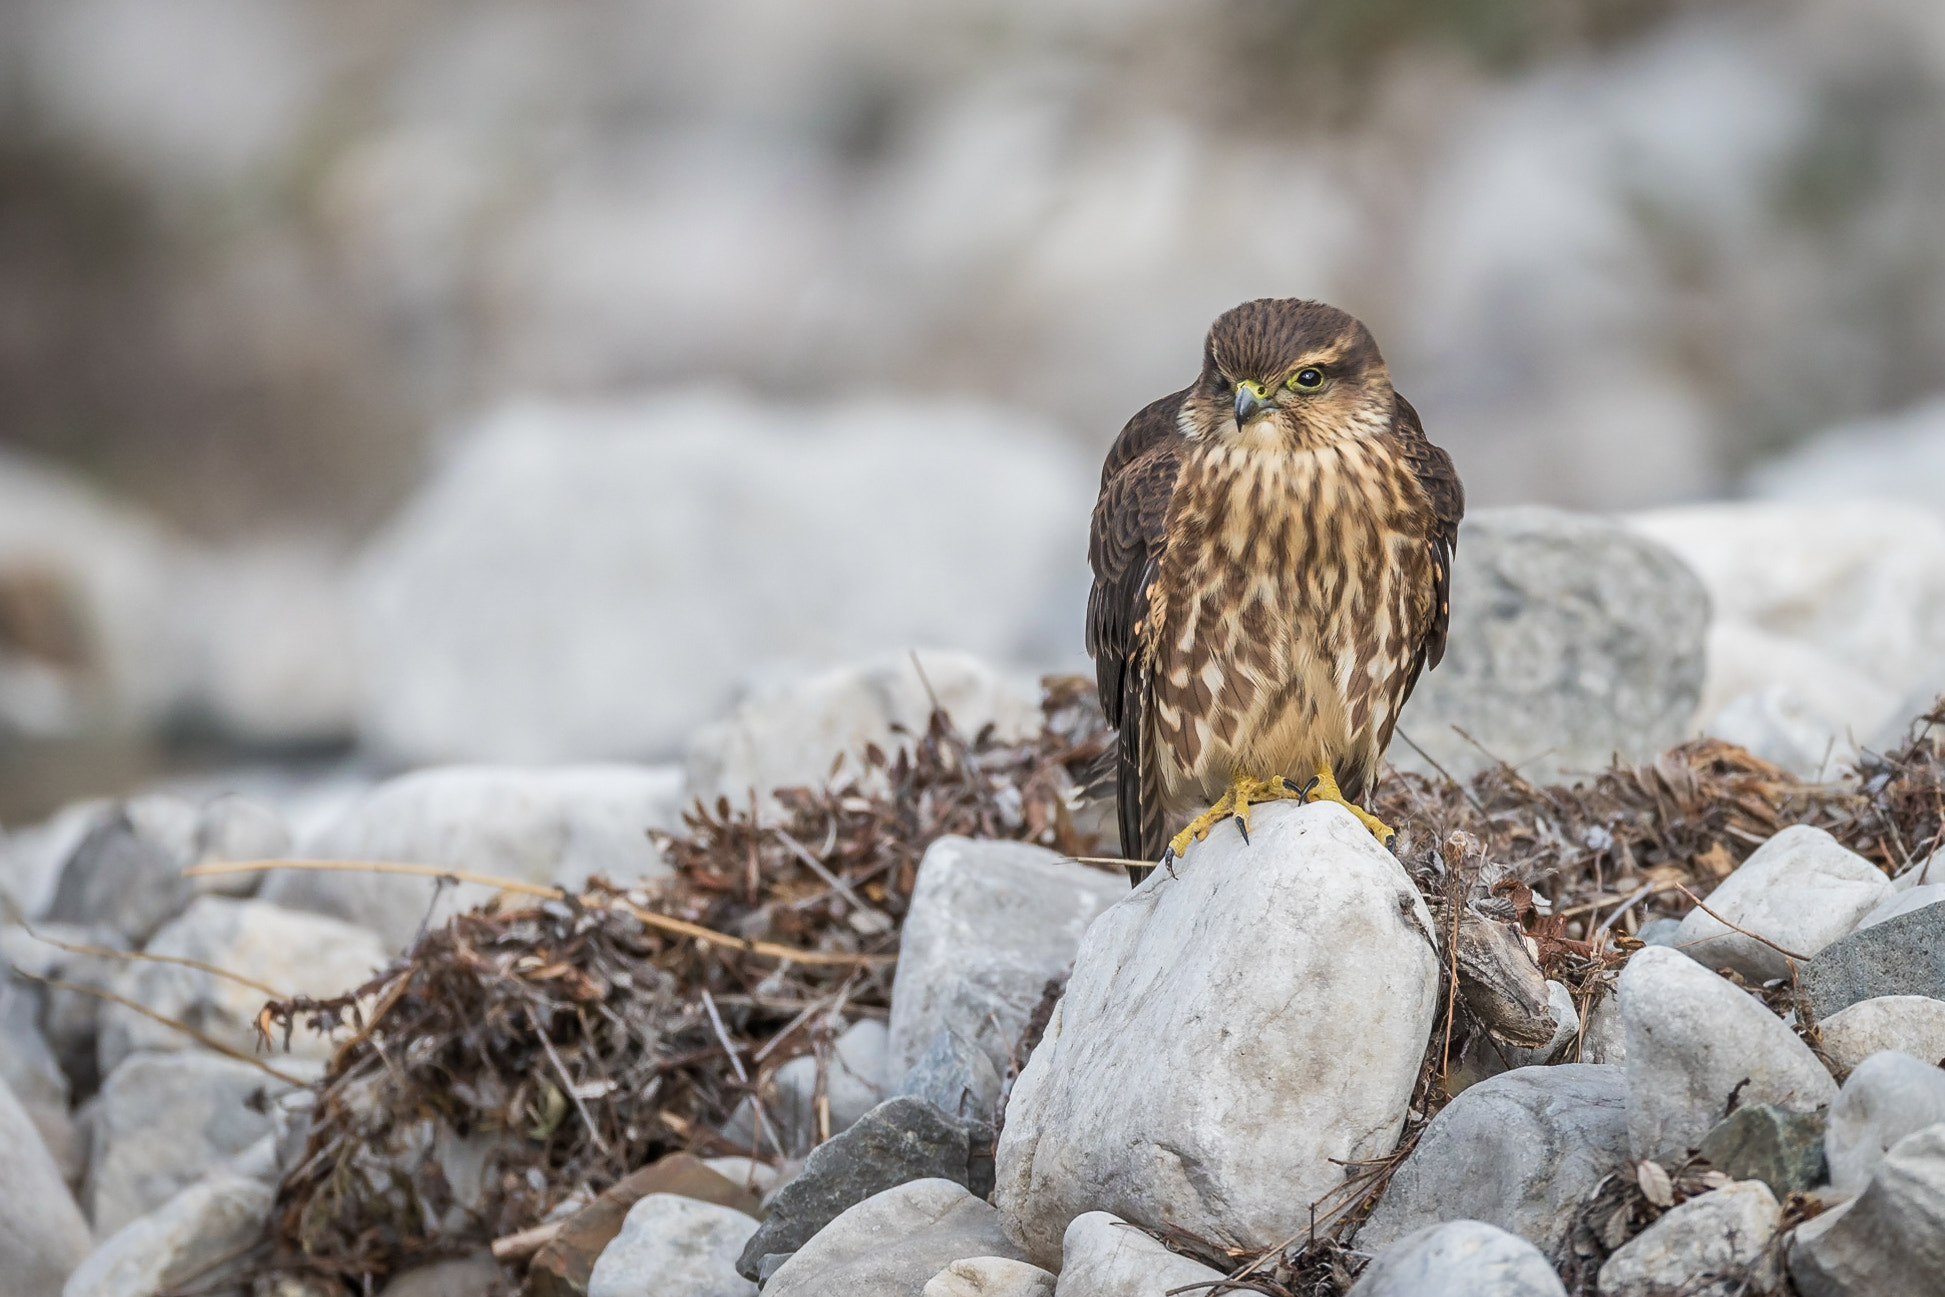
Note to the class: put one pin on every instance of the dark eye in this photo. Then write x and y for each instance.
(1307, 379)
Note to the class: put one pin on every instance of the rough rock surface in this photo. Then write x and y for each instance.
(1605, 1040)
(1693, 1039)
(900, 1140)
(43, 1235)
(1572, 636)
(990, 1276)
(1889, 1096)
(1257, 1062)
(956, 1077)
(126, 874)
(893, 1243)
(1463, 1258)
(555, 826)
(1801, 889)
(1518, 1151)
(219, 1216)
(1909, 1024)
(1716, 1245)
(563, 1267)
(671, 1246)
(1888, 1239)
(854, 1084)
(1903, 901)
(990, 923)
(1901, 956)
(1107, 1257)
(30, 1071)
(1780, 1148)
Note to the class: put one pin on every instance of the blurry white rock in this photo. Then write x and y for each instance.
(126, 873)
(1776, 724)
(69, 1019)
(1890, 457)
(990, 1276)
(162, 1122)
(1693, 1039)
(1107, 1257)
(1331, 996)
(548, 825)
(43, 1235)
(1888, 1096)
(588, 582)
(31, 858)
(788, 735)
(1464, 1258)
(854, 1084)
(297, 954)
(893, 1243)
(1903, 902)
(1572, 639)
(214, 1220)
(29, 1069)
(1518, 1151)
(1908, 1024)
(671, 1246)
(1888, 1239)
(1801, 889)
(460, 1276)
(1715, 1245)
(989, 924)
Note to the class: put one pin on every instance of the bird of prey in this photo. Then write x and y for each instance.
(1272, 553)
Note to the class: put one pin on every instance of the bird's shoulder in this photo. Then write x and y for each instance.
(1155, 426)
(1433, 469)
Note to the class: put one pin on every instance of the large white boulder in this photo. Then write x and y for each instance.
(1888, 1239)
(1802, 890)
(590, 582)
(1889, 1096)
(1232, 1034)
(43, 1234)
(1906, 1024)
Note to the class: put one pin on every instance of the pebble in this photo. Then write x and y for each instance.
(1462, 1258)
(1107, 1257)
(893, 1243)
(1908, 1024)
(1890, 1239)
(672, 1246)
(1900, 956)
(1715, 1245)
(43, 1234)
(1887, 1097)
(1802, 889)
(1780, 1148)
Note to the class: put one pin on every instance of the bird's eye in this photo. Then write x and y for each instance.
(1307, 379)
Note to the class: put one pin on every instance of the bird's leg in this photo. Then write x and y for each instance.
(1244, 791)
(1324, 789)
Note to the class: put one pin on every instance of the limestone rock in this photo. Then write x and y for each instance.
(29, 1069)
(1605, 1040)
(1785, 729)
(1900, 956)
(1887, 1097)
(127, 873)
(1801, 889)
(990, 1276)
(1716, 1245)
(1762, 1142)
(955, 1076)
(1571, 636)
(854, 1085)
(1888, 1239)
(1692, 1040)
(219, 1216)
(990, 923)
(1903, 902)
(671, 1246)
(460, 1276)
(70, 1020)
(563, 1267)
(1107, 1257)
(1463, 1258)
(1256, 1062)
(1909, 1024)
(893, 1243)
(43, 1235)
(1518, 1151)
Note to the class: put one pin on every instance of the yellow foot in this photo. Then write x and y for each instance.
(1324, 789)
(1244, 791)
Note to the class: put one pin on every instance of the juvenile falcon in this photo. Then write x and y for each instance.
(1272, 554)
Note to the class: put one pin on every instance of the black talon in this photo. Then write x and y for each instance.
(1244, 827)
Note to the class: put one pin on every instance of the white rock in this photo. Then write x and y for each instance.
(1716, 1245)
(1605, 1040)
(1261, 1065)
(1465, 1258)
(1801, 890)
(29, 1069)
(746, 1171)
(1903, 901)
(787, 736)
(1908, 1024)
(69, 1020)
(1107, 1257)
(1810, 691)
(1780, 726)
(31, 858)
(990, 923)
(671, 1246)
(893, 1243)
(1888, 1239)
(554, 826)
(126, 874)
(567, 563)
(297, 954)
(854, 1084)
(990, 1276)
(460, 1276)
(1887, 1097)
(43, 1235)
(1693, 1039)
(218, 1217)
(1518, 1151)
(1929, 870)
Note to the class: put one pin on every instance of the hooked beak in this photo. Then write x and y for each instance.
(1249, 402)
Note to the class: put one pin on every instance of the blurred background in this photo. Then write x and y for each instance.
(526, 380)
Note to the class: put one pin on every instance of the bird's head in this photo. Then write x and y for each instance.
(1290, 372)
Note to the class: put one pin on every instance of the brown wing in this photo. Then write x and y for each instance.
(1124, 548)
(1433, 468)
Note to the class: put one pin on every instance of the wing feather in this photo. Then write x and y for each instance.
(1440, 481)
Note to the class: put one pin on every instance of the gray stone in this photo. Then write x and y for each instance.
(1888, 1239)
(955, 1076)
(70, 1019)
(1886, 1098)
(1605, 1040)
(990, 924)
(1761, 1141)
(854, 1085)
(1909, 1024)
(766, 1269)
(893, 1243)
(1463, 1258)
(1573, 638)
(671, 1246)
(1900, 956)
(990, 1276)
(1660, 932)
(1903, 902)
(900, 1140)
(1693, 1040)
(1801, 889)
(1715, 1245)
(1518, 1151)
(218, 1217)
(164, 1120)
(43, 1235)
(29, 1069)
(127, 873)
(460, 1276)
(1108, 1257)
(1218, 1084)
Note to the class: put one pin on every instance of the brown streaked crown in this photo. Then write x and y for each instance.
(1264, 340)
